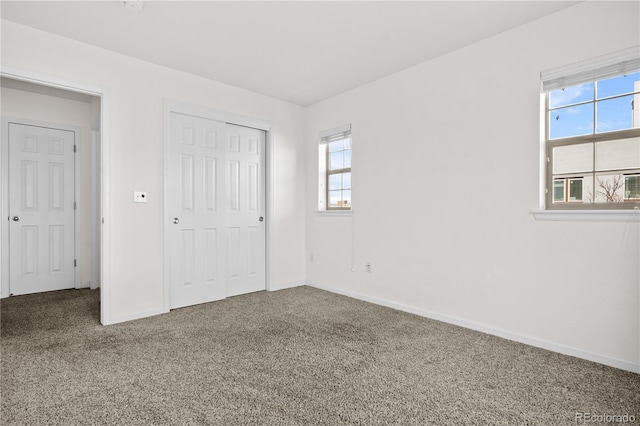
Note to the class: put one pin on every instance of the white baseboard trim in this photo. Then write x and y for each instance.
(135, 316)
(488, 329)
(286, 285)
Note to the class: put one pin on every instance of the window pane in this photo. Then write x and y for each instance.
(335, 181)
(336, 146)
(571, 95)
(347, 143)
(632, 187)
(618, 154)
(558, 190)
(347, 159)
(573, 158)
(346, 180)
(336, 160)
(618, 85)
(335, 198)
(571, 121)
(615, 114)
(575, 190)
(609, 188)
(346, 198)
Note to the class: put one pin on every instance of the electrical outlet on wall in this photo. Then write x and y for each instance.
(367, 267)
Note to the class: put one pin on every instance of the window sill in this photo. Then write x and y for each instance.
(588, 215)
(334, 213)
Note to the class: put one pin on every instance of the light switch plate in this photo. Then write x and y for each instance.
(139, 197)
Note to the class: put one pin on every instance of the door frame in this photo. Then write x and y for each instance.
(77, 171)
(172, 106)
(104, 225)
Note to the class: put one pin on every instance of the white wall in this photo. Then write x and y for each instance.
(22, 104)
(134, 142)
(445, 176)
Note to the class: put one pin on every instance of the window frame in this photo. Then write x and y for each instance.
(608, 66)
(330, 172)
(550, 144)
(325, 138)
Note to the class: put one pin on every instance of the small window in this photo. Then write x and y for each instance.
(575, 190)
(632, 187)
(335, 169)
(592, 133)
(568, 190)
(558, 191)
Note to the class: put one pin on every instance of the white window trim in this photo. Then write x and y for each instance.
(605, 66)
(632, 215)
(336, 213)
(322, 171)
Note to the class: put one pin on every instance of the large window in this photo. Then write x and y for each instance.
(335, 169)
(592, 133)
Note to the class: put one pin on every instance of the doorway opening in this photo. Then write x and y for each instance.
(51, 172)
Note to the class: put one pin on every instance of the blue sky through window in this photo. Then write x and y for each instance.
(572, 109)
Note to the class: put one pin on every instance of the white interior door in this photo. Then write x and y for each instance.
(41, 207)
(215, 193)
(245, 214)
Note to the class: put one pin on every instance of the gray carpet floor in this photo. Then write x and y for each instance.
(293, 357)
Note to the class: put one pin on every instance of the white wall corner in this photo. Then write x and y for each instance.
(283, 286)
(136, 316)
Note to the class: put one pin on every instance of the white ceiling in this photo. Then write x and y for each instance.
(298, 51)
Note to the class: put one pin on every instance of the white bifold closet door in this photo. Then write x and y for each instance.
(216, 203)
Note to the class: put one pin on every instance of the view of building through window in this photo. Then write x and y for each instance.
(593, 141)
